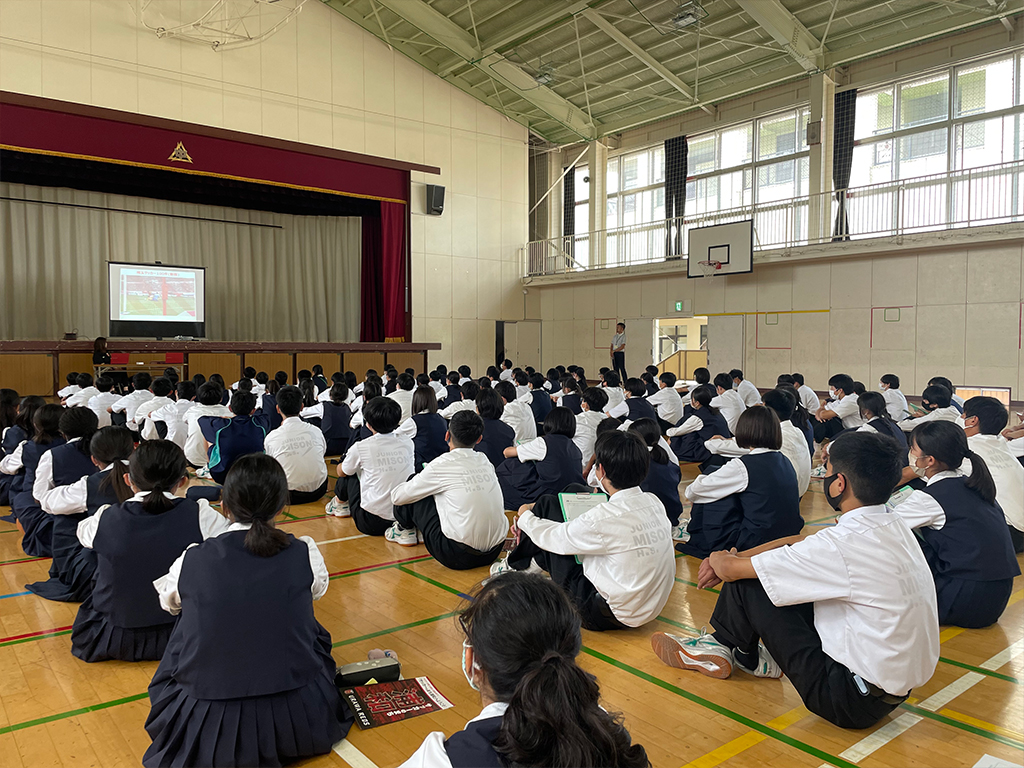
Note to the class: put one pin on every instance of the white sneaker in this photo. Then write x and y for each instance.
(766, 665)
(337, 508)
(419, 536)
(204, 473)
(500, 566)
(679, 533)
(819, 472)
(701, 654)
(403, 536)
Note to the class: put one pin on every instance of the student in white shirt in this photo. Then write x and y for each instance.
(615, 561)
(101, 402)
(435, 383)
(842, 413)
(465, 374)
(521, 381)
(666, 401)
(371, 373)
(516, 413)
(85, 392)
(983, 420)
(207, 404)
(521, 640)
(745, 389)
(161, 390)
(506, 370)
(594, 401)
(935, 399)
(611, 384)
(130, 403)
(808, 397)
(701, 376)
(728, 401)
(249, 374)
(848, 614)
(895, 401)
(173, 416)
(71, 388)
(468, 391)
(454, 503)
(955, 400)
(373, 468)
(403, 395)
(299, 447)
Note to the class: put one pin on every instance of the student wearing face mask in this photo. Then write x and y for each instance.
(895, 401)
(853, 634)
(961, 528)
(841, 413)
(937, 405)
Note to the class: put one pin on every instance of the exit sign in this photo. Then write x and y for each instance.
(679, 306)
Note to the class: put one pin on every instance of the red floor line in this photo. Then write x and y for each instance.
(23, 560)
(380, 565)
(33, 634)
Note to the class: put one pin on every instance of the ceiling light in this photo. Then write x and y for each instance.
(687, 15)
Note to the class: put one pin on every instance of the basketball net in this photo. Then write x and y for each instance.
(710, 268)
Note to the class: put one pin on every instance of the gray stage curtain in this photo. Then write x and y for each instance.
(269, 277)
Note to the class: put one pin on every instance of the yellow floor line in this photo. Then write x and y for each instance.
(742, 743)
(949, 633)
(1015, 597)
(968, 720)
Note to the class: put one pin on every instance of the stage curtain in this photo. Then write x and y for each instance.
(392, 242)
(842, 158)
(676, 151)
(269, 276)
(372, 289)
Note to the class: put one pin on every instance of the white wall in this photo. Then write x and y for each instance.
(320, 80)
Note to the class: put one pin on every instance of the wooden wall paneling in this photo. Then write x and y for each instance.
(79, 362)
(359, 362)
(271, 363)
(403, 360)
(28, 374)
(227, 364)
(331, 361)
(695, 359)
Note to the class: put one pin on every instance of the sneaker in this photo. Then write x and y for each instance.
(766, 665)
(204, 473)
(819, 472)
(406, 537)
(419, 536)
(702, 654)
(337, 508)
(500, 566)
(679, 533)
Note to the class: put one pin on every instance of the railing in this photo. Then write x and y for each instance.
(989, 195)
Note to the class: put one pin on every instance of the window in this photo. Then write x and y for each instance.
(636, 197)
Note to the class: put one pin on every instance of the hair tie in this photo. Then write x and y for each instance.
(551, 657)
(123, 461)
(650, 448)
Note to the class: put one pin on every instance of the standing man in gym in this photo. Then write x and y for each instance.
(618, 350)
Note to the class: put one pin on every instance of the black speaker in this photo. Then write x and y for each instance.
(435, 199)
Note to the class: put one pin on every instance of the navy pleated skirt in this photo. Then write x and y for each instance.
(37, 524)
(73, 567)
(270, 730)
(94, 638)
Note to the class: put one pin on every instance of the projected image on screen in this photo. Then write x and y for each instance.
(146, 295)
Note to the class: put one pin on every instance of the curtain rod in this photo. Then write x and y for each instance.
(144, 213)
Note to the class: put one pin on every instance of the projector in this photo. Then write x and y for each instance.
(184, 338)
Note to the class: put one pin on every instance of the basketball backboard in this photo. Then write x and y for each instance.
(730, 245)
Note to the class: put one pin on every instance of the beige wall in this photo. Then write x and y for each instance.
(320, 80)
(961, 316)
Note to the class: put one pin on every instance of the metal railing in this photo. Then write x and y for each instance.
(992, 194)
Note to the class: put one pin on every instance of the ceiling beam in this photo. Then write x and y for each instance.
(787, 30)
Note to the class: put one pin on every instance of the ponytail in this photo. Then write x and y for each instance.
(112, 447)
(80, 423)
(156, 467)
(255, 491)
(263, 540)
(650, 433)
(980, 480)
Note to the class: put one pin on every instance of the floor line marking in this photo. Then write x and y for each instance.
(73, 713)
(344, 538)
(15, 594)
(968, 720)
(33, 634)
(348, 752)
(437, 584)
(742, 743)
(949, 633)
(875, 741)
(381, 565)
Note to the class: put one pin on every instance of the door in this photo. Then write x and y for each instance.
(726, 339)
(522, 343)
(639, 344)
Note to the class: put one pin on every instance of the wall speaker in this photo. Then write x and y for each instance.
(435, 199)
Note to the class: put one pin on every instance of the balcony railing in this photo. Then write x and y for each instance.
(978, 196)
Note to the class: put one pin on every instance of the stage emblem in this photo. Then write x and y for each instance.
(180, 154)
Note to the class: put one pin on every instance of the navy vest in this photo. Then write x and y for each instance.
(663, 481)
(540, 403)
(239, 610)
(562, 465)
(497, 437)
(690, 447)
(771, 503)
(231, 438)
(888, 428)
(97, 493)
(974, 543)
(335, 423)
(320, 382)
(429, 441)
(70, 464)
(638, 408)
(473, 747)
(573, 402)
(12, 438)
(30, 455)
(652, 388)
(454, 394)
(268, 409)
(133, 549)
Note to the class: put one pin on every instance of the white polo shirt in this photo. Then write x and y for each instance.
(98, 404)
(668, 404)
(809, 398)
(465, 489)
(896, 404)
(847, 408)
(505, 375)
(873, 594)
(731, 405)
(748, 392)
(949, 413)
(82, 397)
(382, 462)
(299, 448)
(625, 546)
(130, 404)
(144, 410)
(1007, 472)
(459, 405)
(404, 398)
(173, 416)
(586, 432)
(519, 416)
(615, 397)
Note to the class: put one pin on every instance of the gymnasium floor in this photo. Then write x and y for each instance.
(58, 711)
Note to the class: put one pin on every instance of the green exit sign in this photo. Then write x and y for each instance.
(679, 306)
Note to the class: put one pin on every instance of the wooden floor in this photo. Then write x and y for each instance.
(58, 711)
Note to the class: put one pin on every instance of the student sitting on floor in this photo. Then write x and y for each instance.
(426, 428)
(666, 401)
(60, 462)
(86, 392)
(230, 438)
(801, 418)
(612, 385)
(372, 469)
(794, 444)
(12, 467)
(727, 400)
(955, 400)
(516, 413)
(172, 416)
(130, 403)
(466, 401)
(465, 374)
(663, 476)
(135, 543)
(72, 386)
(875, 413)
(983, 420)
(594, 401)
(543, 465)
(842, 413)
(635, 405)
(935, 399)
(371, 389)
(161, 389)
(538, 399)
(615, 561)
(705, 421)
(745, 389)
(521, 641)
(961, 528)
(752, 499)
(403, 394)
(299, 448)
(570, 396)
(101, 402)
(336, 419)
(454, 503)
(208, 398)
(824, 610)
(895, 401)
(244, 602)
(808, 397)
(454, 391)
(497, 435)
(74, 567)
(701, 377)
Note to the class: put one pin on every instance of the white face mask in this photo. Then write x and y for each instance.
(882, 386)
(831, 392)
(469, 673)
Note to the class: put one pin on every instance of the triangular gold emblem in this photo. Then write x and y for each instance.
(180, 154)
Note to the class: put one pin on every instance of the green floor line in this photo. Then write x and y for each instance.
(964, 726)
(383, 632)
(979, 670)
(377, 568)
(73, 713)
(35, 637)
(694, 584)
(679, 625)
(429, 580)
(725, 712)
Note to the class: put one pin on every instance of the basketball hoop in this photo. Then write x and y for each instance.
(710, 268)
